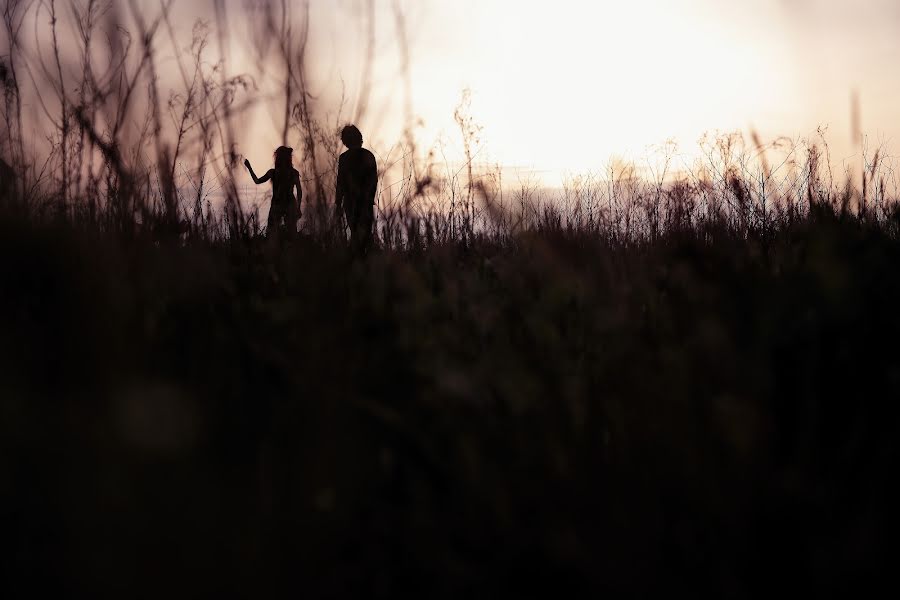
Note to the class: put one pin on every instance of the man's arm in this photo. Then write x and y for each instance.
(372, 177)
(339, 187)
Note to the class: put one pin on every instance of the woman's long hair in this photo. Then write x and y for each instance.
(284, 158)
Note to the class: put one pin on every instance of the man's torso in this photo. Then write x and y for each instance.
(358, 175)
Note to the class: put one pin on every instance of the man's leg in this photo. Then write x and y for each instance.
(352, 211)
(366, 224)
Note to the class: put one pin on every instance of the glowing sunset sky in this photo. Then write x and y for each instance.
(564, 85)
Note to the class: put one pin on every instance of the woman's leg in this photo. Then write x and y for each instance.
(292, 215)
(276, 214)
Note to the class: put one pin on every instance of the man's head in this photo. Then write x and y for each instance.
(351, 137)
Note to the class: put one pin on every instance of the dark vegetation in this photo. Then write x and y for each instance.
(642, 388)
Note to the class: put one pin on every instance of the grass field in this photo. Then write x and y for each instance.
(647, 385)
(553, 414)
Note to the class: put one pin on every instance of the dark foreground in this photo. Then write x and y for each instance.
(561, 419)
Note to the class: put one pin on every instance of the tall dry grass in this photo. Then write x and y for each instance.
(656, 380)
(125, 154)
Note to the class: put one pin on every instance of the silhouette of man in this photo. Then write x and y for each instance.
(357, 180)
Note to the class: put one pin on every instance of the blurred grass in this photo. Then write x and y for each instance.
(646, 383)
(561, 415)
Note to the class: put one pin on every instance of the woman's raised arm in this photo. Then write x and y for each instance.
(258, 180)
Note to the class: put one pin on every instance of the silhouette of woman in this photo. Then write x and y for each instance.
(285, 209)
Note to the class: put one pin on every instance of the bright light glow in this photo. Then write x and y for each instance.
(571, 85)
(564, 85)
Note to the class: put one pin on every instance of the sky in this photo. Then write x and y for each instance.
(566, 86)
